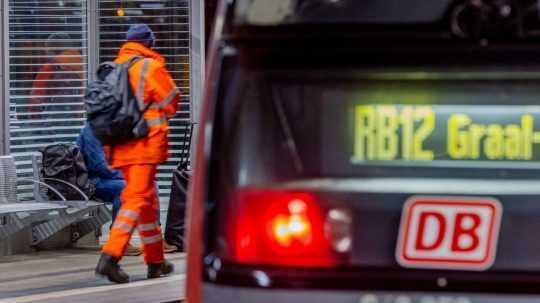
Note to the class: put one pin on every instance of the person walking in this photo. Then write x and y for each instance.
(138, 159)
(109, 182)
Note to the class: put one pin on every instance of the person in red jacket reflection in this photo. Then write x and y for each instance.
(60, 80)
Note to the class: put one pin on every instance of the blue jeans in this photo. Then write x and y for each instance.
(109, 190)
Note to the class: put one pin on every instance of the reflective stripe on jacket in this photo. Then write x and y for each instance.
(155, 89)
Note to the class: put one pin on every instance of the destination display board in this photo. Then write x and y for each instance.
(359, 133)
(435, 133)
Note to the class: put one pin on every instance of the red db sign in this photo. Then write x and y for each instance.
(449, 233)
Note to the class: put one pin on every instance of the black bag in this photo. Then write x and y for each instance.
(176, 214)
(66, 162)
(111, 106)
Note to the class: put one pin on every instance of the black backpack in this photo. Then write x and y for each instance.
(111, 106)
(66, 162)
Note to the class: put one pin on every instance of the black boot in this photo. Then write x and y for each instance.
(108, 267)
(161, 269)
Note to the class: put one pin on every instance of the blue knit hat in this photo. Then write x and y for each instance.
(141, 33)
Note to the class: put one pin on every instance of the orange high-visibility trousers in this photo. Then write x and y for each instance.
(139, 208)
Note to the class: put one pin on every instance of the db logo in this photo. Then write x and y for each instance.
(449, 233)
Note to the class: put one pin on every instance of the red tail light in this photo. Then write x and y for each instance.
(294, 226)
(280, 228)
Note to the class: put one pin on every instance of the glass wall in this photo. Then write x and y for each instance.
(50, 45)
(48, 74)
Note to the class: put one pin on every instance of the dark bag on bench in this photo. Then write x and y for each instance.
(66, 162)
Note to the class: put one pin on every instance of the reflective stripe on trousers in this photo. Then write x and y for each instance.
(148, 227)
(123, 226)
(151, 239)
(129, 213)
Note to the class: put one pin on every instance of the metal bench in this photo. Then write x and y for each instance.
(84, 216)
(14, 215)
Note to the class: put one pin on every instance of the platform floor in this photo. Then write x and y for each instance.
(68, 276)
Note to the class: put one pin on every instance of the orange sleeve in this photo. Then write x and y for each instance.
(163, 91)
(41, 84)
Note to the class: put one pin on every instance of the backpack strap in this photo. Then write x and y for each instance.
(133, 60)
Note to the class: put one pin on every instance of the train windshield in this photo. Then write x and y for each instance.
(371, 11)
(352, 123)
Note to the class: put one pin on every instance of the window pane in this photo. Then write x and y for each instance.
(47, 69)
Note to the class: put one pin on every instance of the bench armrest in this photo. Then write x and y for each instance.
(56, 192)
(83, 195)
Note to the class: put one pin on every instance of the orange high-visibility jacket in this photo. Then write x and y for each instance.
(151, 82)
